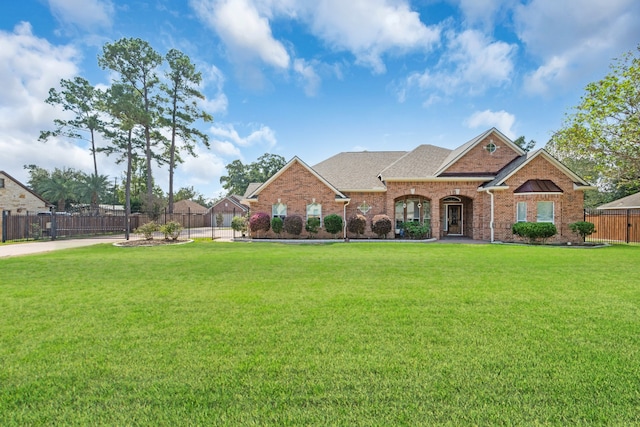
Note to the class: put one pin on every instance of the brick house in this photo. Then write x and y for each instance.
(477, 190)
(228, 207)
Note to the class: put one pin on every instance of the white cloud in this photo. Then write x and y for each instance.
(244, 31)
(370, 28)
(226, 139)
(482, 12)
(575, 39)
(501, 120)
(308, 75)
(218, 102)
(472, 65)
(86, 14)
(29, 67)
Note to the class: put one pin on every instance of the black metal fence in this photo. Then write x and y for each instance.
(51, 226)
(614, 225)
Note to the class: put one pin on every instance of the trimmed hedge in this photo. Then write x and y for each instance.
(259, 221)
(381, 225)
(293, 225)
(583, 228)
(533, 231)
(277, 225)
(333, 224)
(312, 226)
(357, 224)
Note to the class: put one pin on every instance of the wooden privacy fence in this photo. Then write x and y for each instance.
(614, 225)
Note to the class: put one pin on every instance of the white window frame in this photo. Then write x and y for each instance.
(311, 211)
(278, 213)
(544, 219)
(521, 218)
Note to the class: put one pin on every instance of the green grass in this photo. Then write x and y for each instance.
(343, 334)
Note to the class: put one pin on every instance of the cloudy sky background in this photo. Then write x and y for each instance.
(311, 79)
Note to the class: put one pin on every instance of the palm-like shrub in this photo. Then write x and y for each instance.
(333, 224)
(357, 224)
(259, 221)
(381, 225)
(293, 224)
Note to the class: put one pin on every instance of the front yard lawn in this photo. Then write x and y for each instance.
(340, 334)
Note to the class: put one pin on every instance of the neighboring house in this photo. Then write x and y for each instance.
(229, 207)
(477, 190)
(188, 207)
(17, 199)
(629, 202)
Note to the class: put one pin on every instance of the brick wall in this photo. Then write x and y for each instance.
(568, 206)
(478, 159)
(15, 198)
(297, 187)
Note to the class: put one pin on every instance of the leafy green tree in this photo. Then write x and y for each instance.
(136, 62)
(604, 129)
(183, 110)
(239, 175)
(81, 98)
(237, 179)
(522, 143)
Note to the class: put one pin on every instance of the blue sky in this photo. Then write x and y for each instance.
(314, 78)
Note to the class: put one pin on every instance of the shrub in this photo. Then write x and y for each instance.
(148, 229)
(219, 219)
(312, 226)
(381, 225)
(534, 230)
(277, 225)
(333, 224)
(239, 223)
(259, 221)
(357, 224)
(415, 230)
(583, 228)
(171, 230)
(293, 224)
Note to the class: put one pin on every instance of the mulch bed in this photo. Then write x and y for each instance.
(154, 242)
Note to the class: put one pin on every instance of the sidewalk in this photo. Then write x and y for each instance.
(17, 249)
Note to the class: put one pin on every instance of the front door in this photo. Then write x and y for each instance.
(454, 220)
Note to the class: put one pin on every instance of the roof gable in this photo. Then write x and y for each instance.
(33, 193)
(520, 162)
(188, 206)
(538, 186)
(292, 162)
(460, 152)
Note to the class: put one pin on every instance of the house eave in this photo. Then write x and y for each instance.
(577, 187)
(493, 188)
(363, 190)
(539, 193)
(443, 179)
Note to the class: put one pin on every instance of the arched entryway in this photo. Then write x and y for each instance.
(412, 208)
(456, 216)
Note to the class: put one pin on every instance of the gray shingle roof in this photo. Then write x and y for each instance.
(629, 202)
(351, 171)
(420, 163)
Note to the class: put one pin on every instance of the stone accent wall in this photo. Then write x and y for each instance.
(17, 199)
(479, 160)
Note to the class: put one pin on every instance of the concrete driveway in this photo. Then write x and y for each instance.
(17, 249)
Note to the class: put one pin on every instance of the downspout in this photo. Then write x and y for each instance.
(492, 211)
(344, 217)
